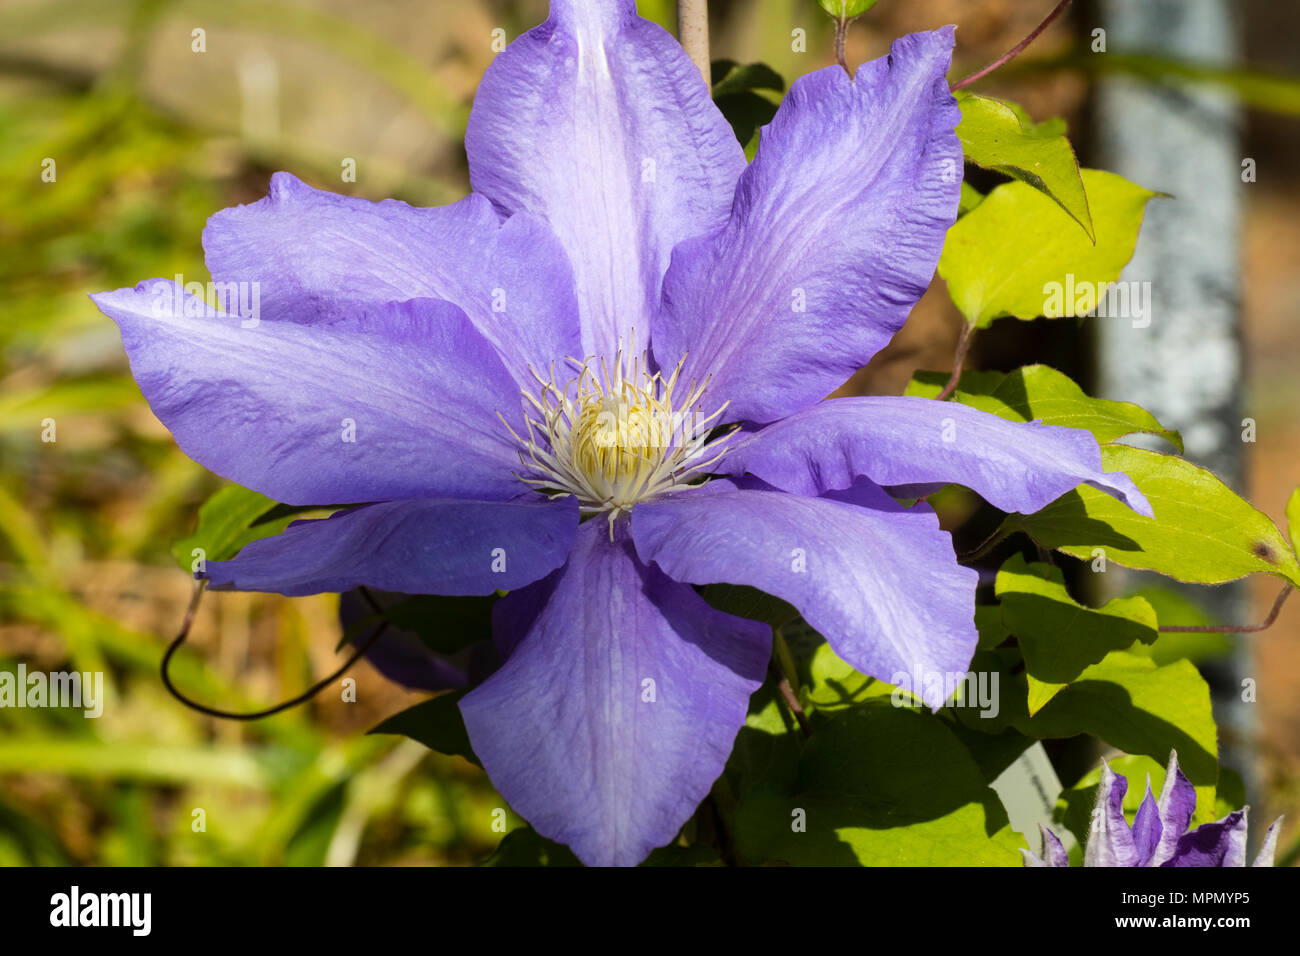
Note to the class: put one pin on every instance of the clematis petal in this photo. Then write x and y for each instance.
(1177, 803)
(598, 122)
(1053, 852)
(1221, 843)
(879, 581)
(1110, 841)
(425, 546)
(1147, 828)
(914, 445)
(315, 416)
(835, 233)
(618, 707)
(1269, 847)
(1052, 848)
(318, 258)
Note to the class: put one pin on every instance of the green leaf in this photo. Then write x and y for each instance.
(1202, 531)
(803, 643)
(733, 94)
(744, 601)
(988, 622)
(674, 854)
(834, 685)
(998, 135)
(1230, 794)
(227, 522)
(1059, 637)
(992, 752)
(909, 794)
(746, 112)
(730, 77)
(1016, 253)
(970, 198)
(846, 9)
(436, 723)
(1140, 708)
(524, 846)
(767, 748)
(1293, 520)
(1003, 671)
(444, 623)
(1040, 391)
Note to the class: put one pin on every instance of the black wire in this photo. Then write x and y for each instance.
(258, 714)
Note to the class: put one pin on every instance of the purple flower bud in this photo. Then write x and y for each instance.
(1159, 834)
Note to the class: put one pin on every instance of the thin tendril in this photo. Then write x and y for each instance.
(958, 361)
(1014, 51)
(841, 35)
(1234, 628)
(164, 668)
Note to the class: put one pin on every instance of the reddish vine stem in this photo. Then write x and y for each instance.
(841, 35)
(1234, 628)
(963, 343)
(959, 360)
(791, 701)
(1014, 51)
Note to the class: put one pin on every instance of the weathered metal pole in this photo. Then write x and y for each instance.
(1186, 365)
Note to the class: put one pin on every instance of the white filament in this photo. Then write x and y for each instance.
(612, 440)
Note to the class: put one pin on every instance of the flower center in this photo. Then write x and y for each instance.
(613, 439)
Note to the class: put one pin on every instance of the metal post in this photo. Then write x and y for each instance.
(1186, 367)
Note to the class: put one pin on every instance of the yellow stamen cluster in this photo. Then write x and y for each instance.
(615, 438)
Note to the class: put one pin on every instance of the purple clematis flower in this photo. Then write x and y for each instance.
(1159, 834)
(565, 342)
